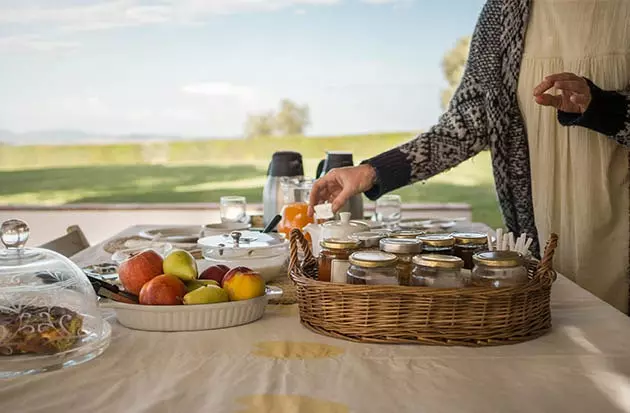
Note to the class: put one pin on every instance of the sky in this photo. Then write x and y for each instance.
(199, 67)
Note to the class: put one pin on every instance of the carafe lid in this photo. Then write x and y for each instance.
(286, 163)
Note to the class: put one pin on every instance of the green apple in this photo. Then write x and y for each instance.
(180, 264)
(208, 294)
(194, 284)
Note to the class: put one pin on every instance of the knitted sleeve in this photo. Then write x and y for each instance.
(608, 114)
(460, 133)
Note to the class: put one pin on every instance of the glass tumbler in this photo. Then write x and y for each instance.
(388, 210)
(233, 209)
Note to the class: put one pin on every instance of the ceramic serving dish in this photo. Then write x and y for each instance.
(191, 317)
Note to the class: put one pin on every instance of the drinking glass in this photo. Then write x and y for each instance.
(233, 209)
(388, 210)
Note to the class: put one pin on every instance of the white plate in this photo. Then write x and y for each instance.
(191, 317)
(174, 234)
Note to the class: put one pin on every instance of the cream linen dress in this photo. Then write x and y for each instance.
(579, 177)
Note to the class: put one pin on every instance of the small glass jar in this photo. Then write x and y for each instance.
(499, 269)
(334, 259)
(441, 244)
(372, 268)
(438, 271)
(404, 249)
(369, 240)
(468, 244)
(406, 233)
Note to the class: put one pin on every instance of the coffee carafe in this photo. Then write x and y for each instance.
(283, 165)
(337, 159)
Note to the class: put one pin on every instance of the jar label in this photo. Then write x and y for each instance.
(338, 271)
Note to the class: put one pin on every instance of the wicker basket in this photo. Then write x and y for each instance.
(475, 316)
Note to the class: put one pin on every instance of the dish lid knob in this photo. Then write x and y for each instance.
(14, 233)
(236, 236)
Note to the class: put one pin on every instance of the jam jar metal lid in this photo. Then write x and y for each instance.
(406, 233)
(437, 240)
(438, 261)
(372, 259)
(49, 314)
(502, 259)
(470, 238)
(401, 245)
(340, 244)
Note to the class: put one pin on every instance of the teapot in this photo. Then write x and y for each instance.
(341, 229)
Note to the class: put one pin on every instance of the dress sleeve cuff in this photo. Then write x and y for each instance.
(393, 171)
(606, 113)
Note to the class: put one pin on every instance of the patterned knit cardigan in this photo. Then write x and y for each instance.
(484, 113)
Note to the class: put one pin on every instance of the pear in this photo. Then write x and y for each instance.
(194, 284)
(208, 294)
(181, 264)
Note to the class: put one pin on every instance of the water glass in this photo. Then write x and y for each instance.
(233, 209)
(388, 210)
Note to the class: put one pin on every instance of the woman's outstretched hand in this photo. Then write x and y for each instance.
(575, 93)
(340, 184)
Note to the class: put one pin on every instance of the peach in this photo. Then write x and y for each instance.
(243, 285)
(216, 273)
(138, 269)
(163, 290)
(233, 271)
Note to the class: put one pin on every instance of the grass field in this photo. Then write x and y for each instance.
(63, 175)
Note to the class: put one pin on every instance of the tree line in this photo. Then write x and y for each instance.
(292, 119)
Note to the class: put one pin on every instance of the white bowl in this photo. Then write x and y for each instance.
(191, 317)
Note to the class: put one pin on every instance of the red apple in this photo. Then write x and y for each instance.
(233, 272)
(163, 290)
(216, 273)
(139, 269)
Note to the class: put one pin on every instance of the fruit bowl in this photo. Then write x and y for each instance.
(191, 317)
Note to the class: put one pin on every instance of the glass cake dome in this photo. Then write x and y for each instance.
(49, 314)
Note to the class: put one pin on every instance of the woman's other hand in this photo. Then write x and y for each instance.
(340, 184)
(575, 93)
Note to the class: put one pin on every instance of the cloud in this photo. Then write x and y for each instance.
(34, 42)
(222, 89)
(120, 13)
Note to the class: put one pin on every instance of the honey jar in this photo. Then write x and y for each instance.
(499, 269)
(468, 244)
(438, 271)
(404, 249)
(372, 268)
(437, 244)
(334, 259)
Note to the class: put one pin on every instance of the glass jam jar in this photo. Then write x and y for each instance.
(406, 233)
(404, 249)
(372, 268)
(437, 244)
(334, 259)
(438, 271)
(468, 244)
(369, 240)
(499, 269)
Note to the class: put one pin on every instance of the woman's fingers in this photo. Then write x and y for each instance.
(549, 100)
(575, 86)
(551, 80)
(341, 198)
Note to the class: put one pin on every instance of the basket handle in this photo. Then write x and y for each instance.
(297, 243)
(545, 267)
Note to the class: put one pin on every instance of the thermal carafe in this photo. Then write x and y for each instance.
(283, 165)
(336, 159)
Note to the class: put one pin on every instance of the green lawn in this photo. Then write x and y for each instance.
(471, 182)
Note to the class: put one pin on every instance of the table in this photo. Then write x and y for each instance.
(276, 365)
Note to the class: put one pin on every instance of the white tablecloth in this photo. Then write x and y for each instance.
(276, 365)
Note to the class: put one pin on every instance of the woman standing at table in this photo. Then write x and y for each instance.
(548, 177)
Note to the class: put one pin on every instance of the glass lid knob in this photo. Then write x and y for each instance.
(14, 233)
